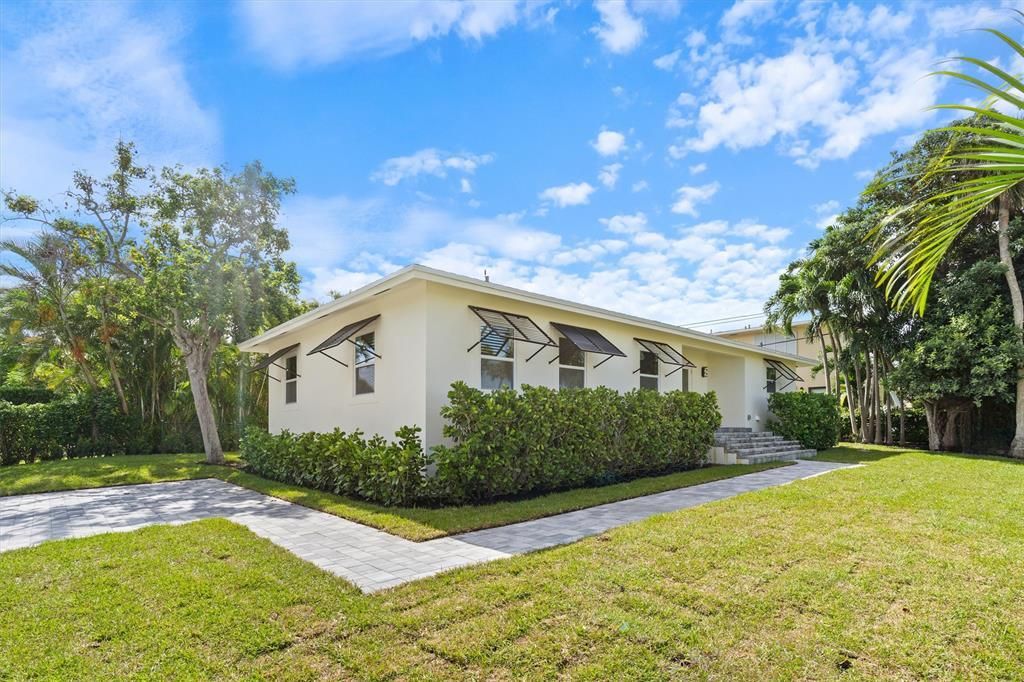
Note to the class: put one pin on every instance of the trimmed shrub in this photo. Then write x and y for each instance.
(812, 419)
(390, 473)
(77, 426)
(511, 443)
(25, 395)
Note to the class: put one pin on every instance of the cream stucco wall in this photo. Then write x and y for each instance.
(798, 344)
(326, 390)
(423, 333)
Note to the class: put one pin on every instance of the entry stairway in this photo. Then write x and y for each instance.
(760, 447)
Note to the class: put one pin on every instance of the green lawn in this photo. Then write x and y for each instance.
(411, 523)
(906, 568)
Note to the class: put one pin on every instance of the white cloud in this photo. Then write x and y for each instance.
(619, 31)
(667, 62)
(466, 186)
(430, 162)
(609, 175)
(744, 13)
(609, 143)
(310, 32)
(640, 186)
(95, 73)
(698, 168)
(772, 235)
(826, 213)
(954, 19)
(688, 196)
(625, 224)
(572, 194)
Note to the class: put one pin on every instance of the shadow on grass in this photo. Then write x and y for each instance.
(863, 453)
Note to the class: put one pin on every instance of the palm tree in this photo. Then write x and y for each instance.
(976, 184)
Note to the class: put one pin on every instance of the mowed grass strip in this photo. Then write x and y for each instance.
(906, 568)
(413, 523)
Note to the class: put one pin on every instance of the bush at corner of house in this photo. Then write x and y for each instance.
(812, 419)
(375, 469)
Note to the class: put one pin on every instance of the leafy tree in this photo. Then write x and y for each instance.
(196, 255)
(976, 185)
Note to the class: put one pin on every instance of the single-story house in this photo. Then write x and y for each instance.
(385, 355)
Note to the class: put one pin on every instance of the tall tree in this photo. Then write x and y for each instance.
(980, 181)
(201, 252)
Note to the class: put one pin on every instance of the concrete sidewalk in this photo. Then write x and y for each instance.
(370, 558)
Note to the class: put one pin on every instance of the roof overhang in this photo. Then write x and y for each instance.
(260, 343)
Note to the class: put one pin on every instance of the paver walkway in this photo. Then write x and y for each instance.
(370, 558)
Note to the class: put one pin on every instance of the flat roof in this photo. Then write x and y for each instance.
(422, 272)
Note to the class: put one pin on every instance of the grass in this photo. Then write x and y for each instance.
(413, 523)
(906, 568)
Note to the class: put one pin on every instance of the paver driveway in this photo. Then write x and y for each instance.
(370, 558)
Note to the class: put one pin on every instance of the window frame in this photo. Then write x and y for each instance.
(582, 367)
(771, 379)
(656, 376)
(291, 381)
(509, 338)
(369, 361)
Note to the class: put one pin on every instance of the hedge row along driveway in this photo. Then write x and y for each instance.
(507, 443)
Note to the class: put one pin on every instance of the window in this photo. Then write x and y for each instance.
(364, 363)
(571, 365)
(771, 374)
(497, 357)
(291, 379)
(816, 389)
(648, 370)
(686, 379)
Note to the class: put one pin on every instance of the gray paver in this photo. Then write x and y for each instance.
(370, 558)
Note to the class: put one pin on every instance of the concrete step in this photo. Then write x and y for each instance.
(751, 439)
(764, 450)
(790, 456)
(733, 429)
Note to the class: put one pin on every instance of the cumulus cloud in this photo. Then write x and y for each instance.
(688, 196)
(92, 74)
(626, 224)
(667, 62)
(698, 168)
(609, 143)
(313, 33)
(742, 14)
(429, 162)
(572, 194)
(826, 213)
(620, 32)
(609, 175)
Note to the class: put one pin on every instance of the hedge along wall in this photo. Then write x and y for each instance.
(78, 426)
(505, 443)
(509, 443)
(812, 419)
(344, 463)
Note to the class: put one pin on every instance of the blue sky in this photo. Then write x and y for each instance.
(665, 159)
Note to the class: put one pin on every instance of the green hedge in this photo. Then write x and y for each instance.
(511, 443)
(812, 419)
(506, 443)
(391, 473)
(77, 426)
(25, 395)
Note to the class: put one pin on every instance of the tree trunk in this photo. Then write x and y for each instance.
(877, 398)
(837, 353)
(861, 401)
(197, 363)
(903, 421)
(933, 415)
(851, 406)
(888, 402)
(824, 362)
(1006, 258)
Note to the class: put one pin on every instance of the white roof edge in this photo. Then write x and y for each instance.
(416, 271)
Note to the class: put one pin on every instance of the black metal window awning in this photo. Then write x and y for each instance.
(665, 353)
(263, 366)
(588, 341)
(783, 370)
(522, 328)
(341, 336)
